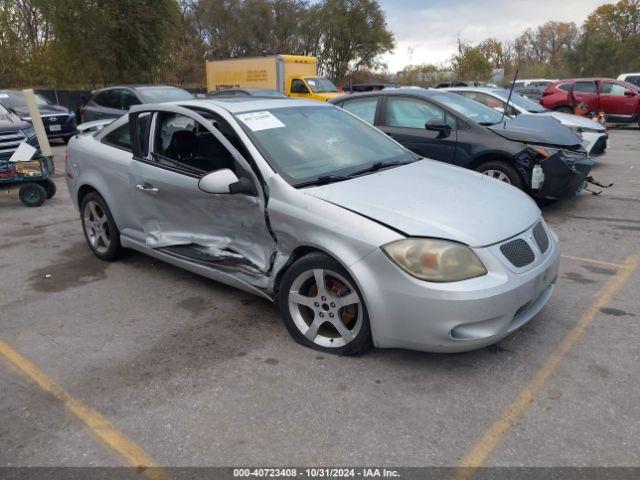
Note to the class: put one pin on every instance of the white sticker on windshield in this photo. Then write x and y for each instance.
(257, 121)
(4, 95)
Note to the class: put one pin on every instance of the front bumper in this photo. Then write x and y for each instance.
(563, 177)
(459, 316)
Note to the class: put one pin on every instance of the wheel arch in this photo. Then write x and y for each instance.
(83, 191)
(297, 253)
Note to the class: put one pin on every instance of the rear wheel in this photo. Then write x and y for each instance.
(322, 308)
(32, 194)
(50, 186)
(501, 171)
(100, 230)
(564, 109)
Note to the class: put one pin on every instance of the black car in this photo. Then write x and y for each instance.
(113, 102)
(59, 122)
(247, 92)
(14, 131)
(537, 155)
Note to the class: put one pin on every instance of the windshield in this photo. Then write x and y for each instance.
(306, 143)
(468, 108)
(163, 94)
(14, 98)
(321, 85)
(519, 101)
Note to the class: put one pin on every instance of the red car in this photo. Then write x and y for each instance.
(619, 100)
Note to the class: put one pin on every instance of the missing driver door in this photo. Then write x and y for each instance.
(227, 231)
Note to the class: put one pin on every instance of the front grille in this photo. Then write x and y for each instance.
(518, 252)
(60, 119)
(542, 239)
(9, 141)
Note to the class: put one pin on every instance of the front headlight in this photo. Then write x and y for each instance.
(543, 152)
(577, 130)
(435, 260)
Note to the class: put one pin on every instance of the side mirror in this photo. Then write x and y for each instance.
(435, 125)
(219, 182)
(629, 93)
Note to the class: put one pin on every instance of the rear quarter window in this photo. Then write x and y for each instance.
(119, 138)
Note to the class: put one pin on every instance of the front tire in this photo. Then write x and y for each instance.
(502, 171)
(322, 307)
(100, 230)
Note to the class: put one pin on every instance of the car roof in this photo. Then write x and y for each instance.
(410, 92)
(134, 87)
(241, 104)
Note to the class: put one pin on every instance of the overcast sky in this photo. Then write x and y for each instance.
(431, 27)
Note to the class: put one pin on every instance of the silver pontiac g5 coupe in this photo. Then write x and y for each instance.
(358, 241)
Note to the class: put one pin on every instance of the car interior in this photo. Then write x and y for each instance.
(184, 143)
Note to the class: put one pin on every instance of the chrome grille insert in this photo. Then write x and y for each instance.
(518, 252)
(542, 239)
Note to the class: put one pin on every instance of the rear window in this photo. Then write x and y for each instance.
(119, 138)
(108, 98)
(585, 87)
(163, 94)
(634, 79)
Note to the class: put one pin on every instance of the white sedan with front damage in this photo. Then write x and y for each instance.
(358, 241)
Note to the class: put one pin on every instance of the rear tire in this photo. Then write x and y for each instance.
(564, 109)
(50, 186)
(322, 307)
(501, 171)
(100, 230)
(32, 194)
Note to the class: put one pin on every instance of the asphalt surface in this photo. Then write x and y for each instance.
(196, 373)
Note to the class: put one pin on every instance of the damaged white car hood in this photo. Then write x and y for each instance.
(432, 199)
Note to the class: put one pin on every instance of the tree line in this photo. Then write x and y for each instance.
(607, 44)
(89, 43)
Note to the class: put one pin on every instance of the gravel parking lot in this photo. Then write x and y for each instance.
(195, 373)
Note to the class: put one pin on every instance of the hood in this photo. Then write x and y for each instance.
(23, 110)
(12, 122)
(543, 130)
(432, 199)
(574, 120)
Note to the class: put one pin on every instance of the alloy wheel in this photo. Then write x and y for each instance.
(325, 307)
(96, 226)
(498, 175)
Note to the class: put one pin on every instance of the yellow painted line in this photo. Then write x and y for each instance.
(99, 425)
(481, 450)
(594, 261)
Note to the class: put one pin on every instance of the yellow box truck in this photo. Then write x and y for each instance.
(293, 75)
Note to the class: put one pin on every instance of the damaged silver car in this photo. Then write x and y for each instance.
(360, 242)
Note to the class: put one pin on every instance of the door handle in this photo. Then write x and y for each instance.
(147, 188)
